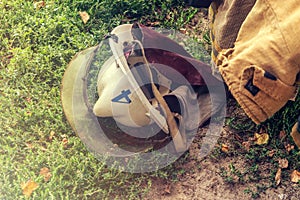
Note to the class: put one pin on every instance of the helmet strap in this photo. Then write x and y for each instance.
(178, 138)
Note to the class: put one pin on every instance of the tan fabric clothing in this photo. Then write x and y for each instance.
(261, 67)
(226, 24)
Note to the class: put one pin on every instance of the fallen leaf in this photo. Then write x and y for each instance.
(224, 148)
(45, 172)
(182, 30)
(167, 189)
(155, 23)
(261, 139)
(283, 163)
(29, 145)
(289, 147)
(84, 16)
(29, 187)
(295, 176)
(271, 153)
(52, 133)
(65, 142)
(282, 134)
(39, 4)
(28, 99)
(247, 145)
(278, 176)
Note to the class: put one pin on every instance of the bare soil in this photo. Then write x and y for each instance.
(202, 176)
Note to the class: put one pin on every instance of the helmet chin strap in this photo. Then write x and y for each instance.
(179, 139)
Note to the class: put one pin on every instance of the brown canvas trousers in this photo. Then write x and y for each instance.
(256, 49)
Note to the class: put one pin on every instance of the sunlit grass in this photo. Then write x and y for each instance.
(36, 44)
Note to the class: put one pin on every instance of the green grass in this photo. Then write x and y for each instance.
(35, 47)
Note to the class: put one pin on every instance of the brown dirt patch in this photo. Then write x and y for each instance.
(202, 178)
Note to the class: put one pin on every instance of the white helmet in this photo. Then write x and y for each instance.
(120, 94)
(113, 98)
(122, 90)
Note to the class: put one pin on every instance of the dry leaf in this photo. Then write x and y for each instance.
(65, 142)
(283, 163)
(84, 16)
(247, 145)
(224, 148)
(278, 176)
(155, 23)
(271, 153)
(52, 133)
(45, 172)
(167, 189)
(261, 139)
(295, 176)
(29, 145)
(39, 4)
(29, 187)
(28, 99)
(289, 147)
(182, 30)
(282, 134)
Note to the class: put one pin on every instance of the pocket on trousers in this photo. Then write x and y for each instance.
(265, 89)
